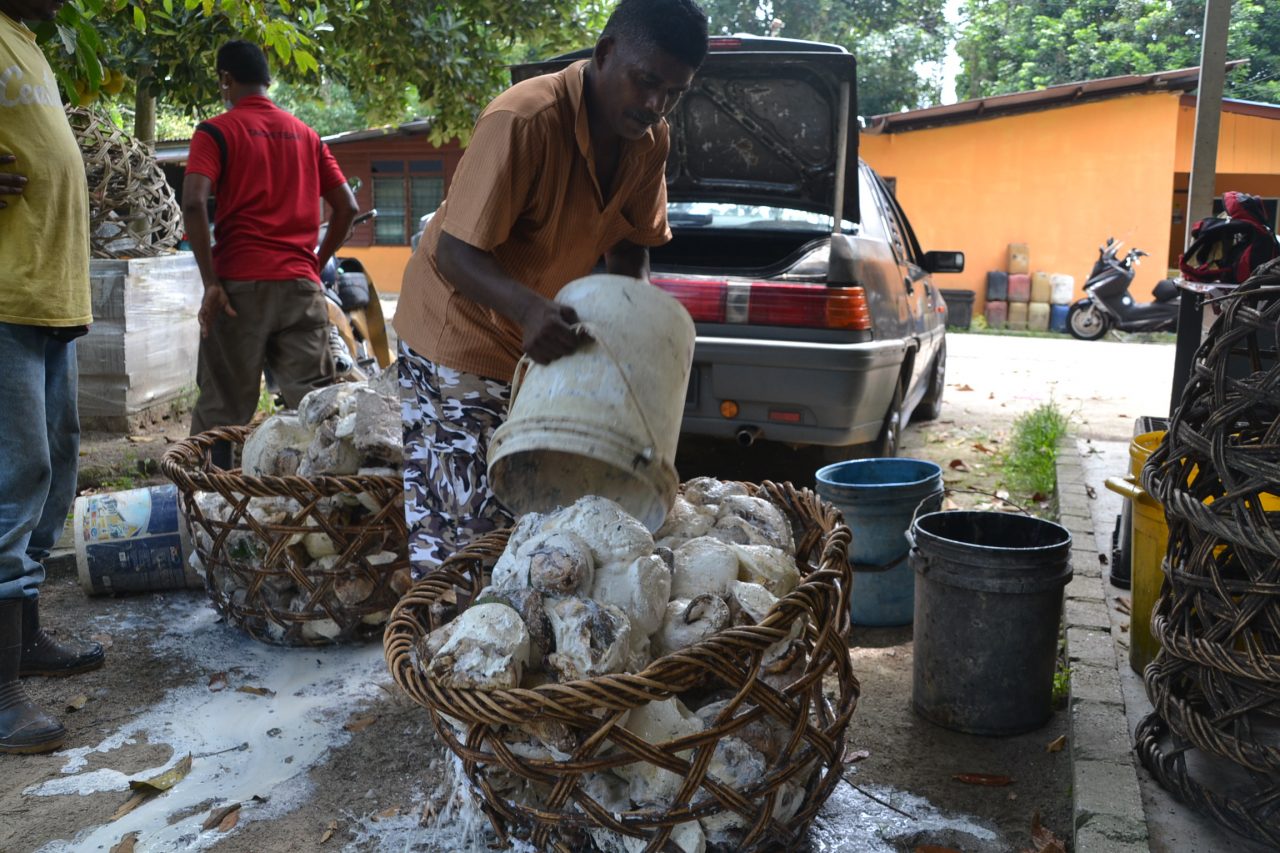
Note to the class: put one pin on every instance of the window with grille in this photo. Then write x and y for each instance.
(404, 192)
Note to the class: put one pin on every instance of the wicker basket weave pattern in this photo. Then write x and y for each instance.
(1215, 684)
(814, 708)
(241, 585)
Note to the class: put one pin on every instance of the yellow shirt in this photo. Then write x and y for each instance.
(526, 191)
(44, 232)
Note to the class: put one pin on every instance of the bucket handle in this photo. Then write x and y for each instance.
(910, 531)
(647, 454)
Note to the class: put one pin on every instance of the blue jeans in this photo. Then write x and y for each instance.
(39, 451)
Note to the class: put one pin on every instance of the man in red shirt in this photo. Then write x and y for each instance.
(263, 303)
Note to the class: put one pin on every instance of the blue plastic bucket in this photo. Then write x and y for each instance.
(132, 541)
(879, 498)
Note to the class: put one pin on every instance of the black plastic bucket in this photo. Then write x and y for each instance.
(988, 605)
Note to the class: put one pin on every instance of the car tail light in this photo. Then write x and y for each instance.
(724, 43)
(771, 303)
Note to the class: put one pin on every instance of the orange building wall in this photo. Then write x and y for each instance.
(1061, 180)
(1247, 144)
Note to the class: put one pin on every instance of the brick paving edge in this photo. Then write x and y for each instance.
(1107, 812)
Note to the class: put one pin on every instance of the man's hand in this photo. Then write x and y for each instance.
(215, 303)
(11, 183)
(548, 331)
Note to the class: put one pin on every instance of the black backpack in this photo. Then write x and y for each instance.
(1227, 248)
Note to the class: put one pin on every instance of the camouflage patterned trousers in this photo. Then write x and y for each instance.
(449, 419)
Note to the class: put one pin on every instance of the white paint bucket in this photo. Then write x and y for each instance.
(132, 541)
(604, 420)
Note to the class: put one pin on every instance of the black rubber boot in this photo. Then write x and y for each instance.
(43, 655)
(24, 728)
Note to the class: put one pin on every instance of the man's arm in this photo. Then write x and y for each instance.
(342, 201)
(195, 218)
(11, 183)
(627, 258)
(546, 326)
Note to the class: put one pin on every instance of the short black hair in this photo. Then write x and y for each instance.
(678, 27)
(245, 62)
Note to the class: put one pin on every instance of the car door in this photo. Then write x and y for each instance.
(917, 288)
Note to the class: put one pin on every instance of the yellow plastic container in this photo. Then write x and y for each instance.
(1150, 538)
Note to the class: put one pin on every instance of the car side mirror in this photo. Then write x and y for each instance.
(943, 261)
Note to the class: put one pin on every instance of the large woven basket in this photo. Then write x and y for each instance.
(348, 600)
(815, 708)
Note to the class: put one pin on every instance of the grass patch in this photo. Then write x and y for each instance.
(1031, 455)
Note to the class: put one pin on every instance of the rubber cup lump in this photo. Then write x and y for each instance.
(306, 543)
(588, 713)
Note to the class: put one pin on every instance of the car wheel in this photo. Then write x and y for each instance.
(930, 406)
(1086, 321)
(891, 432)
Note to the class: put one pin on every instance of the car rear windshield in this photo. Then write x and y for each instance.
(701, 214)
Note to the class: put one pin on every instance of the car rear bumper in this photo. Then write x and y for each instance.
(830, 394)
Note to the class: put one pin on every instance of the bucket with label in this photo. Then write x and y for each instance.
(132, 541)
(605, 419)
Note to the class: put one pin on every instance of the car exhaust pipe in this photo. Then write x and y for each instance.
(747, 436)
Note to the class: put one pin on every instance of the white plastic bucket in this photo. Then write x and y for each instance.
(604, 420)
(132, 541)
(1062, 289)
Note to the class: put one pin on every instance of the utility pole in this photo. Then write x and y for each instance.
(1204, 173)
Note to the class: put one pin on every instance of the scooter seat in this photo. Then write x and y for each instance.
(1165, 290)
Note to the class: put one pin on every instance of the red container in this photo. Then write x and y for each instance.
(1019, 287)
(997, 314)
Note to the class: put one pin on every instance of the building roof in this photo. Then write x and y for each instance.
(1064, 94)
(174, 151)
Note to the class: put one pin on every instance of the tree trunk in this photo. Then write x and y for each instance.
(144, 115)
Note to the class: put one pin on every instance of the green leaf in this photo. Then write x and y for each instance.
(139, 19)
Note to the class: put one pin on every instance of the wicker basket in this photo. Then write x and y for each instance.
(270, 589)
(729, 663)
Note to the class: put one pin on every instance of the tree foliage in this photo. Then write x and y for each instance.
(895, 41)
(1012, 45)
(451, 58)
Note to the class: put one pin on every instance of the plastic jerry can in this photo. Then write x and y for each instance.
(1019, 287)
(1019, 258)
(997, 286)
(1058, 318)
(1061, 288)
(997, 314)
(1017, 315)
(1040, 287)
(1038, 316)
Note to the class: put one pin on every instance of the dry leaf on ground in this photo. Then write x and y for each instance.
(1090, 492)
(965, 387)
(77, 703)
(988, 779)
(165, 781)
(256, 691)
(217, 681)
(229, 822)
(958, 465)
(329, 831)
(1043, 840)
(218, 815)
(1056, 744)
(125, 844)
(390, 811)
(136, 799)
(853, 756)
(359, 724)
(982, 448)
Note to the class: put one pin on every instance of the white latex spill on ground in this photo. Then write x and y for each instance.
(853, 823)
(242, 745)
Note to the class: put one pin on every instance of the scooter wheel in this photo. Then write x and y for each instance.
(1086, 322)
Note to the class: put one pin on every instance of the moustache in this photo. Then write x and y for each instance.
(643, 118)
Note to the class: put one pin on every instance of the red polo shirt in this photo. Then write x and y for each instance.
(268, 171)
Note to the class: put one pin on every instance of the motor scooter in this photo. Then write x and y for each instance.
(1107, 304)
(357, 326)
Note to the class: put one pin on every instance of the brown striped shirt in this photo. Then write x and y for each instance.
(526, 191)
